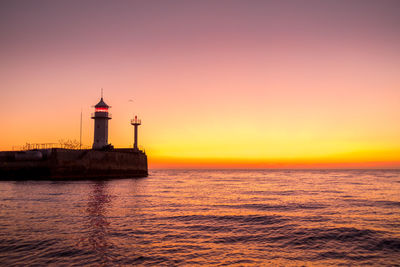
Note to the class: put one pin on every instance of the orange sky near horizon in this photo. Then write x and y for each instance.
(217, 84)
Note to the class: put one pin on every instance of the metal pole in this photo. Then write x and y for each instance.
(80, 136)
(135, 146)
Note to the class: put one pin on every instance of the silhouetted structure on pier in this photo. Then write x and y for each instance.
(102, 161)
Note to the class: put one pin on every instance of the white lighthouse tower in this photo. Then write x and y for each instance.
(101, 117)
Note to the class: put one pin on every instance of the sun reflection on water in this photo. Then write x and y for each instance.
(98, 227)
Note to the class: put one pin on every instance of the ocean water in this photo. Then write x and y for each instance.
(205, 217)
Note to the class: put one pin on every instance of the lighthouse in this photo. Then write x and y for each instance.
(136, 122)
(101, 117)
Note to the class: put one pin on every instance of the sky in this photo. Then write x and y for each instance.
(217, 84)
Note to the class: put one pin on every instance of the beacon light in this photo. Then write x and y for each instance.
(101, 109)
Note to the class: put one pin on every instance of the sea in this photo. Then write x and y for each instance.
(205, 217)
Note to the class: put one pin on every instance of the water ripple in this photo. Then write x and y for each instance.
(205, 217)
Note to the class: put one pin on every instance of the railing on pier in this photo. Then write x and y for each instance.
(32, 146)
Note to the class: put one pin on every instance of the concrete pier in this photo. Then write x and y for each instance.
(57, 163)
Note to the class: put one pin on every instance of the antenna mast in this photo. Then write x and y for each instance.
(80, 136)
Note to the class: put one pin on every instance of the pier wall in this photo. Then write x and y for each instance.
(64, 163)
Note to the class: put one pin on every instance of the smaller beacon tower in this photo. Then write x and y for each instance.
(101, 117)
(135, 122)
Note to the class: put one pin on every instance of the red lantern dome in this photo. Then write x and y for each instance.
(101, 106)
